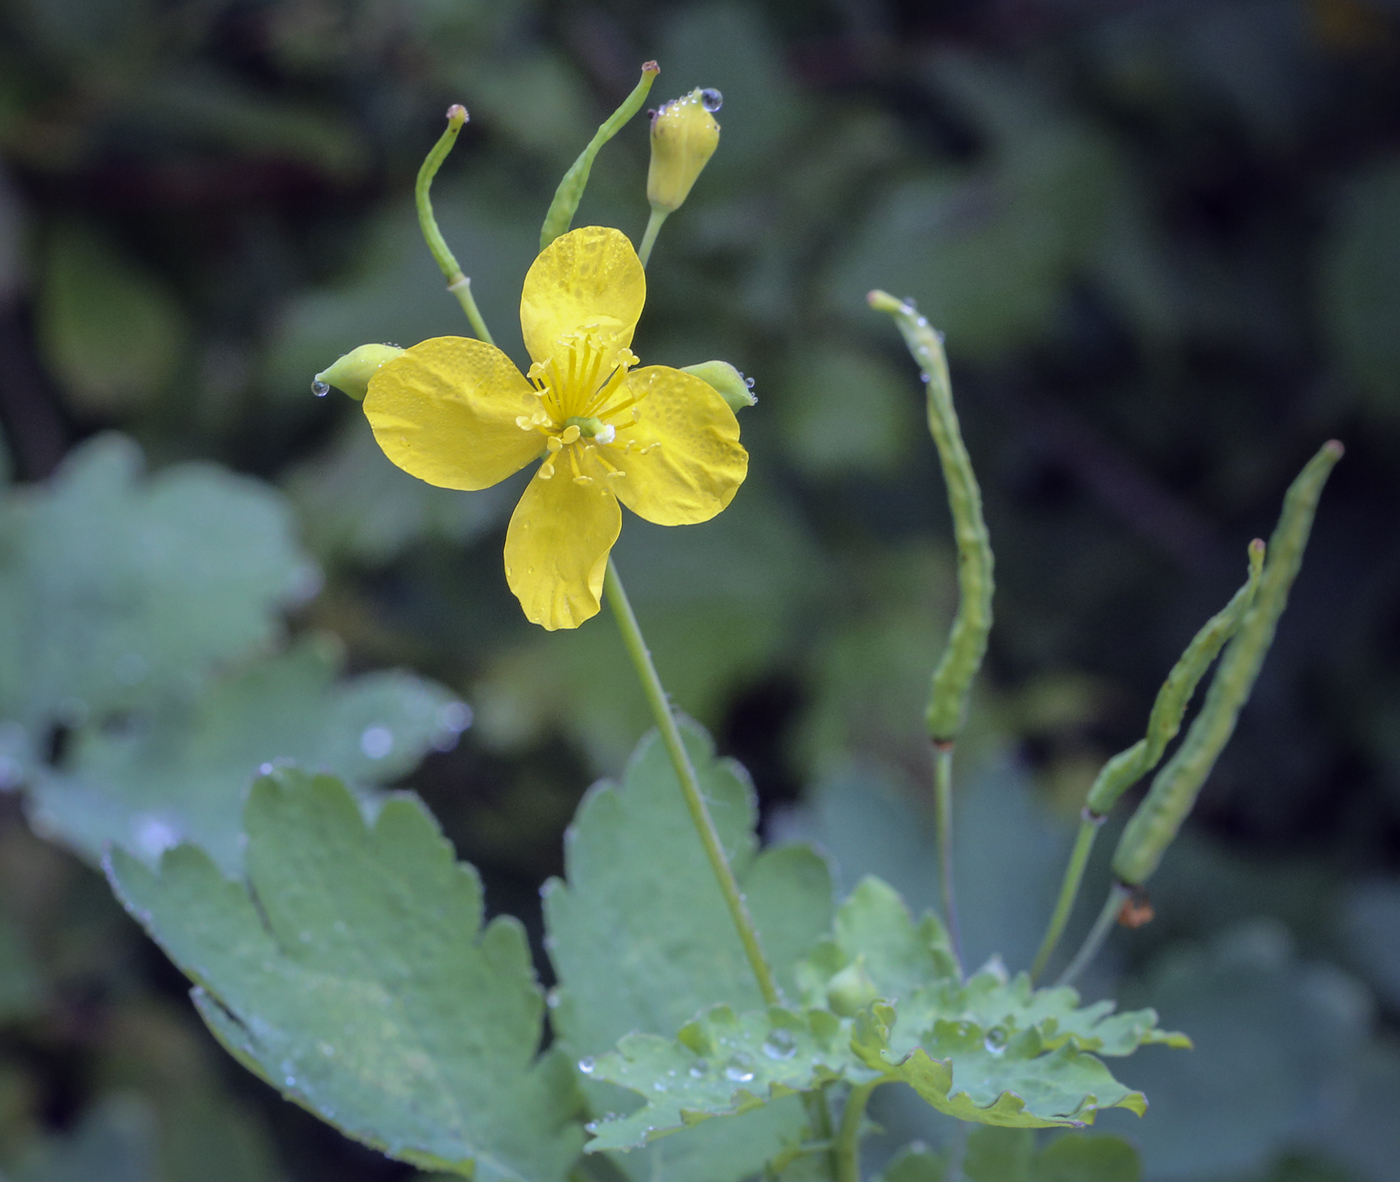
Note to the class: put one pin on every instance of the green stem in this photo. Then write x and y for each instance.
(1118, 894)
(689, 782)
(457, 283)
(654, 223)
(943, 800)
(1069, 890)
(847, 1150)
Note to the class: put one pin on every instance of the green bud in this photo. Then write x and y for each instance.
(684, 136)
(851, 990)
(351, 374)
(731, 385)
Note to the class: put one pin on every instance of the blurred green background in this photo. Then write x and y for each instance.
(1163, 239)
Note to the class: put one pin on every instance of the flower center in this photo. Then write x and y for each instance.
(584, 403)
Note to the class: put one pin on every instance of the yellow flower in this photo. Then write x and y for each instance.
(457, 413)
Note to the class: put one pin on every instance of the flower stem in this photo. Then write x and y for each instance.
(457, 283)
(943, 800)
(1118, 894)
(847, 1149)
(690, 784)
(658, 216)
(1069, 890)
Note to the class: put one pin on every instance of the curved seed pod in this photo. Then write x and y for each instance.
(570, 192)
(1127, 767)
(1177, 785)
(967, 641)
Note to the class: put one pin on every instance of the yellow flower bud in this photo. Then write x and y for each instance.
(730, 384)
(351, 374)
(684, 136)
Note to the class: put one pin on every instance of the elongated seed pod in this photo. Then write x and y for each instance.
(1127, 767)
(1175, 788)
(570, 192)
(967, 640)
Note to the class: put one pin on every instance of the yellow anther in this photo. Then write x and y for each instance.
(554, 444)
(570, 434)
(616, 472)
(525, 422)
(546, 471)
(583, 480)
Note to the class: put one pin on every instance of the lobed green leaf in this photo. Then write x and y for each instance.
(353, 973)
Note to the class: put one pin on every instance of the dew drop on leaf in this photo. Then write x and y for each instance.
(780, 1044)
(587, 1065)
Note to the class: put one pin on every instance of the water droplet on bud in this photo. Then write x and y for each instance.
(711, 99)
(320, 389)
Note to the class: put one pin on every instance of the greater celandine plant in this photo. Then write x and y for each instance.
(715, 1015)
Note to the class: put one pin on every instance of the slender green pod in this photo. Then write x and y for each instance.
(1127, 767)
(967, 641)
(457, 283)
(570, 192)
(1176, 786)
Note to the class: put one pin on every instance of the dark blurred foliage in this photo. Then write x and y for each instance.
(1163, 240)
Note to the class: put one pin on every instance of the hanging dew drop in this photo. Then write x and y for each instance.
(711, 100)
(320, 389)
(587, 1065)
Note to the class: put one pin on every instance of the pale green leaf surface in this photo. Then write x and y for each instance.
(641, 939)
(113, 586)
(353, 973)
(722, 1064)
(989, 1051)
(183, 773)
(1275, 1043)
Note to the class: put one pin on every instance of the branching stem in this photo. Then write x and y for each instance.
(1118, 894)
(1069, 890)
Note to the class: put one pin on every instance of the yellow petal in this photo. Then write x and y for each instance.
(557, 549)
(588, 278)
(445, 411)
(699, 465)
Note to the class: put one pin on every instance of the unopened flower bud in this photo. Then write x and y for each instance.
(684, 136)
(731, 385)
(851, 989)
(351, 374)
